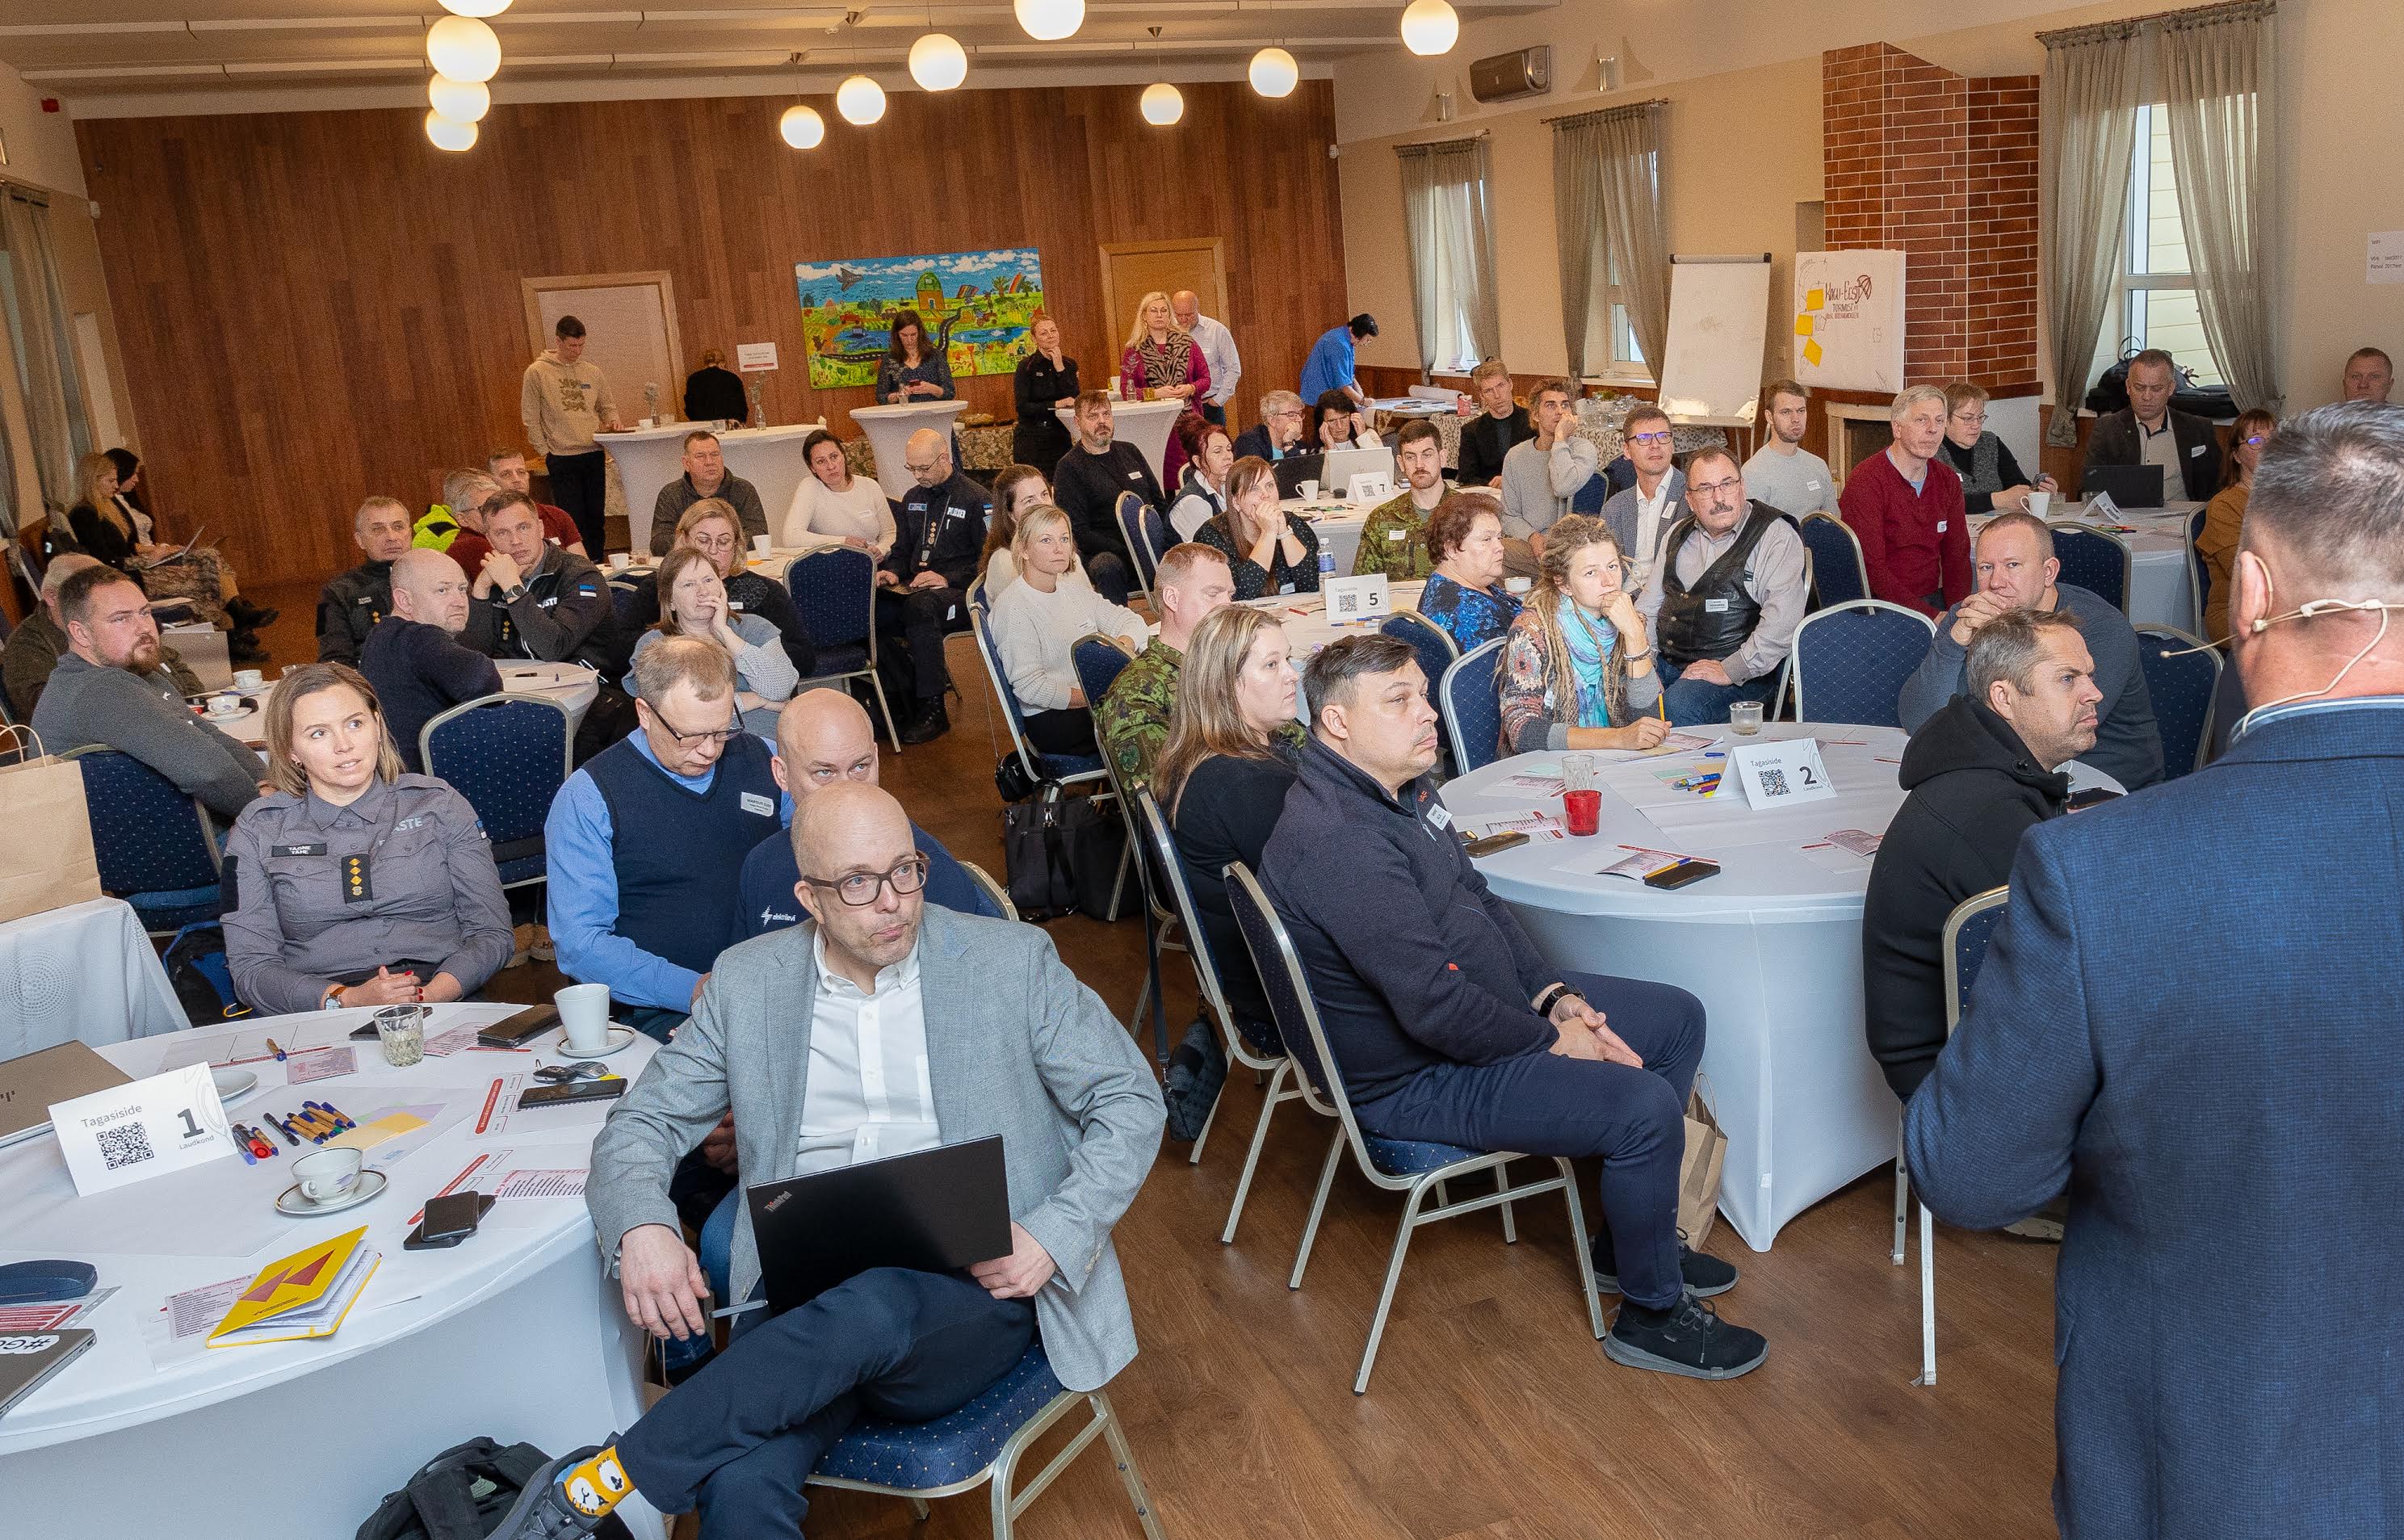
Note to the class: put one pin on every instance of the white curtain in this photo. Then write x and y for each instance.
(33, 307)
(1447, 218)
(2216, 77)
(2087, 105)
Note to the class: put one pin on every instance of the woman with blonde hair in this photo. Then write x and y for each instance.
(355, 882)
(1268, 551)
(713, 527)
(1221, 780)
(1161, 363)
(1577, 668)
(112, 528)
(693, 603)
(1016, 492)
(1035, 622)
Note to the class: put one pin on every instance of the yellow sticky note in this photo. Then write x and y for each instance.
(1815, 297)
(1802, 325)
(1811, 352)
(366, 1136)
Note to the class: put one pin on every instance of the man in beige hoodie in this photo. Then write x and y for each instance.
(564, 402)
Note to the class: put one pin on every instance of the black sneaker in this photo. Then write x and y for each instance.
(1688, 1338)
(1704, 1274)
(542, 1511)
(1197, 1071)
(931, 723)
(249, 616)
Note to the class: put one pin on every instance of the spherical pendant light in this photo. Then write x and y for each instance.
(475, 7)
(447, 134)
(1163, 104)
(1273, 71)
(463, 49)
(461, 101)
(1430, 27)
(802, 127)
(860, 100)
(1049, 20)
(938, 63)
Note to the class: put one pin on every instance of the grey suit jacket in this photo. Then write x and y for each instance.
(1016, 1046)
(1619, 513)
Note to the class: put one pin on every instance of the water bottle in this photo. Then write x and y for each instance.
(1326, 566)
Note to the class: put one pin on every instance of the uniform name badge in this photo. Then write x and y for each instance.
(1777, 775)
(149, 1127)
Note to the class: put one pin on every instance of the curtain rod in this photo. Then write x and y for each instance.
(26, 191)
(1630, 107)
(1429, 147)
(2129, 26)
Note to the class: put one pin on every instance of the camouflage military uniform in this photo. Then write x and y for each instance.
(1403, 559)
(1132, 721)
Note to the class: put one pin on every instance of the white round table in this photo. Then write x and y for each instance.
(1142, 423)
(648, 458)
(2159, 591)
(1772, 945)
(573, 685)
(1337, 524)
(517, 1331)
(888, 428)
(82, 973)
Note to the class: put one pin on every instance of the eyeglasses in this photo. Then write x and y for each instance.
(918, 469)
(1657, 437)
(2257, 439)
(1970, 416)
(1714, 488)
(860, 890)
(719, 735)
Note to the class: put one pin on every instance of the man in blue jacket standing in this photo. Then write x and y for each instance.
(2225, 1120)
(1450, 1026)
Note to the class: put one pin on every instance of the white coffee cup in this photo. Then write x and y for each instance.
(2038, 502)
(584, 1011)
(224, 706)
(618, 561)
(760, 544)
(328, 1174)
(1518, 585)
(249, 678)
(1308, 491)
(646, 421)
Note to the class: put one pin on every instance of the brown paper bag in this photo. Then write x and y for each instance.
(1699, 1172)
(46, 862)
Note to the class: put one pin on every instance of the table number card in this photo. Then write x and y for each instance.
(1370, 487)
(1780, 775)
(1364, 598)
(167, 1123)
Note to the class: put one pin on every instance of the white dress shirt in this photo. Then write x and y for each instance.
(1217, 346)
(868, 1095)
(1653, 516)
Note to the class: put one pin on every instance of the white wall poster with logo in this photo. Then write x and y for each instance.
(1849, 320)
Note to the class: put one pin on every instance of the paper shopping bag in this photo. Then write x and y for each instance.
(46, 860)
(1698, 1173)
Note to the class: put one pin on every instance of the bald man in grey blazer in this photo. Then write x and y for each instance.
(881, 1026)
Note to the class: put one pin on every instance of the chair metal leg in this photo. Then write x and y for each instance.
(1127, 1472)
(1393, 1277)
(1118, 884)
(1582, 1252)
(892, 733)
(1503, 1184)
(920, 1510)
(1901, 1198)
(1209, 1121)
(1317, 1206)
(1252, 1157)
(1927, 1301)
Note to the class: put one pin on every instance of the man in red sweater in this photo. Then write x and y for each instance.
(1905, 506)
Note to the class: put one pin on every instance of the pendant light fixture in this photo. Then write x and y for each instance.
(938, 63)
(1430, 27)
(1049, 20)
(860, 100)
(463, 49)
(460, 101)
(1162, 104)
(1273, 71)
(447, 134)
(475, 7)
(802, 127)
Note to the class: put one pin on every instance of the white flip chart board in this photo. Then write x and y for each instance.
(1719, 321)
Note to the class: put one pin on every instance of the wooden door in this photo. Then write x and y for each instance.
(1133, 268)
(630, 331)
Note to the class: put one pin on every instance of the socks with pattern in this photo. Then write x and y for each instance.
(595, 1486)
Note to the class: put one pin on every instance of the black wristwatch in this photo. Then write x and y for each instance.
(1554, 996)
(512, 596)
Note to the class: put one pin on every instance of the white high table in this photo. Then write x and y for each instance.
(1142, 423)
(1772, 946)
(648, 458)
(888, 430)
(2159, 591)
(517, 1331)
(84, 972)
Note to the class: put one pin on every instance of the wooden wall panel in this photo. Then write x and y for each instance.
(315, 306)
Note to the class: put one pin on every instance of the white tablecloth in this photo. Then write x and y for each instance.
(648, 458)
(515, 1333)
(1142, 423)
(1772, 946)
(83, 974)
(571, 684)
(2159, 594)
(888, 430)
(1337, 524)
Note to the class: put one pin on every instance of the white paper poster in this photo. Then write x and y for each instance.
(1849, 320)
(147, 1128)
(755, 357)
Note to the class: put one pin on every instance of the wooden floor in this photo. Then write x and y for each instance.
(1493, 1413)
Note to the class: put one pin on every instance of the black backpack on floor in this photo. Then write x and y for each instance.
(463, 1493)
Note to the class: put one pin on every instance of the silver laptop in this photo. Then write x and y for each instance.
(1339, 465)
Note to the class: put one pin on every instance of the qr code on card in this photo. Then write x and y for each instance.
(1773, 783)
(126, 1144)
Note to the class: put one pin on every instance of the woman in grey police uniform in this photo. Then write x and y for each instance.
(354, 884)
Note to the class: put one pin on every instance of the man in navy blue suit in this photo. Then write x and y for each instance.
(2188, 1020)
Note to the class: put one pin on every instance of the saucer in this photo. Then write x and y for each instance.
(299, 1205)
(618, 1037)
(233, 1085)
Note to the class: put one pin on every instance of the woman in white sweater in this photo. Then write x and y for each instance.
(1015, 491)
(833, 506)
(692, 603)
(1036, 622)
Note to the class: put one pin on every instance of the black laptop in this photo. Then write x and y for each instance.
(936, 1211)
(1294, 470)
(2129, 486)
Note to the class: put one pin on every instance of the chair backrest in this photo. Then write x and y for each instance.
(1293, 1011)
(1437, 652)
(2182, 678)
(1853, 660)
(1098, 661)
(1968, 930)
(146, 835)
(626, 602)
(994, 895)
(2096, 560)
(1162, 846)
(1131, 510)
(1471, 708)
(2199, 573)
(1839, 573)
(1590, 497)
(509, 755)
(834, 590)
(1015, 715)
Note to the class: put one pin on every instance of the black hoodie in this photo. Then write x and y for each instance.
(1973, 788)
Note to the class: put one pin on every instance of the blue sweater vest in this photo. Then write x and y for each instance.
(678, 852)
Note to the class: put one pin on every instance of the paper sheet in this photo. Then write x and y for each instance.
(1621, 860)
(443, 1045)
(531, 1183)
(321, 1064)
(1535, 825)
(177, 1331)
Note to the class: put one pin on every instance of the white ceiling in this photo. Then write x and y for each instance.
(185, 53)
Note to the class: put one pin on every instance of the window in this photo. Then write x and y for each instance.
(1447, 215)
(2157, 307)
(1453, 209)
(1611, 352)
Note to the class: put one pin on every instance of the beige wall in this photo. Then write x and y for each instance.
(1720, 62)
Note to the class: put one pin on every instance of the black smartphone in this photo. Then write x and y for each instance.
(574, 1091)
(514, 1031)
(1689, 870)
(447, 1220)
(2094, 796)
(1487, 845)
